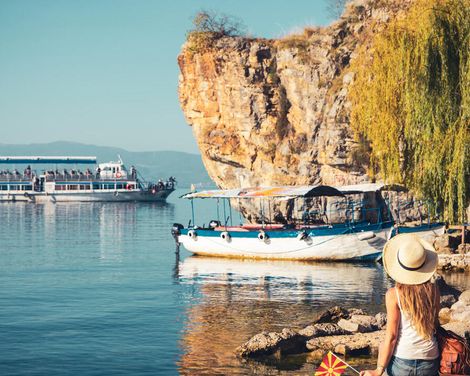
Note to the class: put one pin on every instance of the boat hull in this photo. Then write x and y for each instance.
(362, 243)
(96, 196)
(285, 245)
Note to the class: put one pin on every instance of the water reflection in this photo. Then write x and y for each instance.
(239, 298)
(108, 229)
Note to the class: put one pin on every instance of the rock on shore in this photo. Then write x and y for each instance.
(347, 331)
(351, 331)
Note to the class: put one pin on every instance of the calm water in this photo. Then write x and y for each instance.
(97, 289)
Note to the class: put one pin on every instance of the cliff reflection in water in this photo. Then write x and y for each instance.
(235, 299)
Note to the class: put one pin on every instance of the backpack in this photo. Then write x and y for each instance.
(455, 353)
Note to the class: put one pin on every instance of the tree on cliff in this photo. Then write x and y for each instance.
(411, 103)
(209, 26)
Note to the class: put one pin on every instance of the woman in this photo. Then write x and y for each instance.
(410, 346)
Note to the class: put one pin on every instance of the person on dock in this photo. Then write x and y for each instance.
(410, 346)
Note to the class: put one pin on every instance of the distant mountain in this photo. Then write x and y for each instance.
(186, 167)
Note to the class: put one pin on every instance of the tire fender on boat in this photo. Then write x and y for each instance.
(263, 236)
(192, 234)
(225, 236)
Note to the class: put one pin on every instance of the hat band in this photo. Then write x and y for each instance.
(407, 267)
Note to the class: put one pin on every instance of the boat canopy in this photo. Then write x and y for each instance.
(369, 187)
(47, 160)
(287, 192)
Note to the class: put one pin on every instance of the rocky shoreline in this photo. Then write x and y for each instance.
(350, 332)
(453, 254)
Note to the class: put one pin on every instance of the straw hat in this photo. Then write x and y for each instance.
(409, 259)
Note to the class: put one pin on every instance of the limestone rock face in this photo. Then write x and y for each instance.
(275, 112)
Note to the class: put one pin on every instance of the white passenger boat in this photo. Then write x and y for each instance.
(107, 182)
(355, 239)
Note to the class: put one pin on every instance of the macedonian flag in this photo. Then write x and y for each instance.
(331, 365)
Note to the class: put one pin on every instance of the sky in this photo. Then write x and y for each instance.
(104, 72)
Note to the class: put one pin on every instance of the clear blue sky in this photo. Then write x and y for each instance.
(105, 71)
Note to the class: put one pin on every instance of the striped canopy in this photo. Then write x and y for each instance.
(268, 192)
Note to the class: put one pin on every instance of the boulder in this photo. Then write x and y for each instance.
(368, 322)
(353, 349)
(465, 297)
(321, 330)
(356, 311)
(444, 315)
(262, 344)
(447, 301)
(447, 243)
(460, 328)
(381, 319)
(462, 315)
(332, 315)
(355, 344)
(352, 327)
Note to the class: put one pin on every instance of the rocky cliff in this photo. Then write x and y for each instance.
(275, 112)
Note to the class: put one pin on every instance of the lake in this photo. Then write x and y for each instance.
(97, 288)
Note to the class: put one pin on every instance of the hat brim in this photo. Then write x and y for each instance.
(401, 275)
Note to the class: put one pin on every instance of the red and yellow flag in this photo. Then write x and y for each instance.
(331, 365)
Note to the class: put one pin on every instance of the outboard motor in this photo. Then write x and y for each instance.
(176, 230)
(214, 223)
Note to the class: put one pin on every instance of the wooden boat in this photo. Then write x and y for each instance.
(352, 240)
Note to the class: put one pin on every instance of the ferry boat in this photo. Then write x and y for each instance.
(357, 238)
(107, 182)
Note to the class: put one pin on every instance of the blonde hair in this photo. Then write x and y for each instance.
(418, 302)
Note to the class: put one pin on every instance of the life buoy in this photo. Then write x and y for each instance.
(263, 236)
(118, 174)
(192, 234)
(129, 187)
(225, 236)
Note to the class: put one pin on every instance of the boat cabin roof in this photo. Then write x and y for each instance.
(46, 160)
(369, 187)
(286, 192)
(289, 192)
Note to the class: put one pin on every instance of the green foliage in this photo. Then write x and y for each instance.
(411, 103)
(208, 27)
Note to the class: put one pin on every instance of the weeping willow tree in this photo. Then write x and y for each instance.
(411, 103)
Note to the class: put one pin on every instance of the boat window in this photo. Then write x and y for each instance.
(96, 186)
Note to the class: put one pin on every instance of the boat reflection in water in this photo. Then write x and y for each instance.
(236, 299)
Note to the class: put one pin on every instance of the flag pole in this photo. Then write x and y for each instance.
(355, 370)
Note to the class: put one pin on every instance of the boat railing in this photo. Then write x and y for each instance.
(84, 178)
(15, 178)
